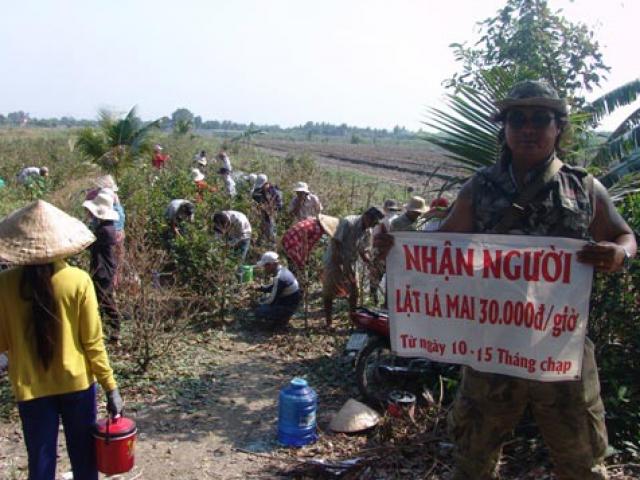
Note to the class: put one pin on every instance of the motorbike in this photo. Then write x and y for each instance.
(379, 371)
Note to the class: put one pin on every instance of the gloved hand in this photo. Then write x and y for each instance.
(114, 403)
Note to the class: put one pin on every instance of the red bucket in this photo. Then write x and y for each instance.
(115, 442)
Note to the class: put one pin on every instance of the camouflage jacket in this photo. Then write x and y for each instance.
(562, 208)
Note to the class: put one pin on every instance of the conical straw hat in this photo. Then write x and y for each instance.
(41, 233)
(328, 224)
(354, 417)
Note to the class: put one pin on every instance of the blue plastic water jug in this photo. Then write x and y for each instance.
(297, 414)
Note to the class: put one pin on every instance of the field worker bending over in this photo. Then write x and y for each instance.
(305, 204)
(562, 201)
(223, 158)
(352, 238)
(51, 329)
(179, 211)
(233, 228)
(103, 257)
(283, 293)
(200, 159)
(229, 183)
(30, 174)
(299, 241)
(268, 199)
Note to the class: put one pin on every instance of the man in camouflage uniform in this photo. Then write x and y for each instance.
(563, 201)
(570, 204)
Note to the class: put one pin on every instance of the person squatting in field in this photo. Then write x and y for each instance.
(51, 329)
(283, 293)
(529, 191)
(339, 278)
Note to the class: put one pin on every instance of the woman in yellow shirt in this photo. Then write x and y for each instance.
(51, 329)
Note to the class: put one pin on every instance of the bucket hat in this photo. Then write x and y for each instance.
(301, 187)
(101, 206)
(416, 204)
(329, 224)
(531, 93)
(374, 212)
(354, 416)
(106, 181)
(196, 175)
(260, 181)
(391, 205)
(267, 257)
(41, 233)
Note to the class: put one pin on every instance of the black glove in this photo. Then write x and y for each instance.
(114, 403)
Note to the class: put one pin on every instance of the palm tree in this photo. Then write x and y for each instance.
(465, 130)
(626, 137)
(116, 142)
(468, 136)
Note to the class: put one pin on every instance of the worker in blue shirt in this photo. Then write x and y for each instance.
(283, 293)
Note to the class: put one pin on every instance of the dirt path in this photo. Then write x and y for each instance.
(219, 423)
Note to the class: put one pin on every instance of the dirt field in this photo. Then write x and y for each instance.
(420, 167)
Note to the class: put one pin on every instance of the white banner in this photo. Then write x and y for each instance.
(510, 304)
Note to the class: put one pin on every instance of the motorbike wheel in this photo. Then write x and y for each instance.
(373, 386)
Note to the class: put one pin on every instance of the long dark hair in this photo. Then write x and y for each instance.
(36, 286)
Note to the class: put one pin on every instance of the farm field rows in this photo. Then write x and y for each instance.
(402, 164)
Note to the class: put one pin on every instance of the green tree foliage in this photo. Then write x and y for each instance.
(626, 137)
(527, 35)
(182, 115)
(116, 142)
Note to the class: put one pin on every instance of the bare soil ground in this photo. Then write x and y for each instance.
(210, 411)
(406, 165)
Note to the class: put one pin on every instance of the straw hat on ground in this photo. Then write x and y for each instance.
(417, 204)
(329, 224)
(41, 233)
(354, 417)
(101, 206)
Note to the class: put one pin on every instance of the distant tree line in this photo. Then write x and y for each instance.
(182, 116)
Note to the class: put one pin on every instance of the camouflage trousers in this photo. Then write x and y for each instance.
(569, 414)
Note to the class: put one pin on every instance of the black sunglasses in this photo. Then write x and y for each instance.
(517, 119)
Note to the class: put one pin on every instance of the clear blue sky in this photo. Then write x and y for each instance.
(363, 62)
